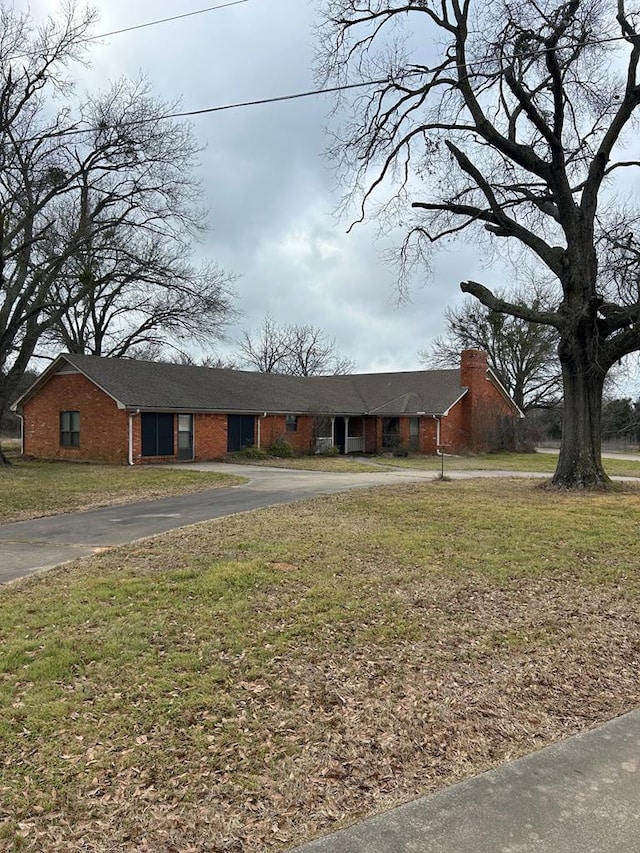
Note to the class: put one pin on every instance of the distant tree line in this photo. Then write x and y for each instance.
(620, 421)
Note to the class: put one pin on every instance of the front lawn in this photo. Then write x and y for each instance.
(33, 489)
(521, 462)
(249, 683)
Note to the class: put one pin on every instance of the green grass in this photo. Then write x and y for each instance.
(520, 462)
(31, 489)
(247, 683)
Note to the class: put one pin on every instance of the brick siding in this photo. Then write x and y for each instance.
(472, 424)
(483, 408)
(103, 427)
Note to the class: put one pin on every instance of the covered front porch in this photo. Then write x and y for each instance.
(346, 432)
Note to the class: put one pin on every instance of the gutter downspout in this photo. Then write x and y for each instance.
(131, 417)
(439, 452)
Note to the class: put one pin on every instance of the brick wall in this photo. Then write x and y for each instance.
(371, 435)
(428, 435)
(274, 427)
(103, 427)
(483, 407)
(209, 436)
(472, 425)
(454, 429)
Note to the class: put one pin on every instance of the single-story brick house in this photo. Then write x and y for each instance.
(125, 411)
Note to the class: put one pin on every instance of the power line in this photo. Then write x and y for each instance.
(348, 86)
(165, 20)
(234, 106)
(289, 97)
(139, 26)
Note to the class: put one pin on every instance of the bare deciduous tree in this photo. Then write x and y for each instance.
(504, 123)
(297, 350)
(142, 295)
(84, 201)
(522, 354)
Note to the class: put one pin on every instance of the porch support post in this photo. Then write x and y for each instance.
(333, 430)
(346, 434)
(260, 419)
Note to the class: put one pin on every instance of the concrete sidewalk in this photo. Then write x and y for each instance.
(581, 795)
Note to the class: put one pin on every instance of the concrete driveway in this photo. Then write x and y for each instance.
(29, 546)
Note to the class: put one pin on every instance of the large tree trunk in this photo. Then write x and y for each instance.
(580, 460)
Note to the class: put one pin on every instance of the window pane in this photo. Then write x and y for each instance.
(70, 429)
(390, 432)
(165, 434)
(157, 434)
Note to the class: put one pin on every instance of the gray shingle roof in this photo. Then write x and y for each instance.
(154, 385)
(430, 391)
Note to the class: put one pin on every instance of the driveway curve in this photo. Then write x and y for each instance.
(41, 543)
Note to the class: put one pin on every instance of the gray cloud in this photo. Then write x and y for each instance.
(268, 188)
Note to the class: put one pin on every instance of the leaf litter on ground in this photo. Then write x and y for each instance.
(246, 684)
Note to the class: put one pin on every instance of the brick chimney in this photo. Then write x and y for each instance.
(473, 375)
(473, 368)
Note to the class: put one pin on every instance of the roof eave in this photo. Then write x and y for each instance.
(493, 378)
(457, 400)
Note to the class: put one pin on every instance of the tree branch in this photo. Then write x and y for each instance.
(494, 303)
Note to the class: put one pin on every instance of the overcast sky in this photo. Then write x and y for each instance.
(269, 189)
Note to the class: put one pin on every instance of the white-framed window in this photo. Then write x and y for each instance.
(70, 429)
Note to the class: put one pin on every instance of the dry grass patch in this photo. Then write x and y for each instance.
(522, 462)
(248, 683)
(331, 464)
(34, 489)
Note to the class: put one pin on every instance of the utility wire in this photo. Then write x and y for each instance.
(290, 97)
(138, 27)
(164, 20)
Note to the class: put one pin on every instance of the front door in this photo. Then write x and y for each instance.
(185, 437)
(240, 431)
(339, 434)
